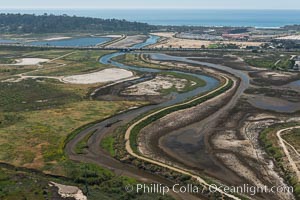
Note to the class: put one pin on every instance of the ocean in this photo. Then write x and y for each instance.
(254, 18)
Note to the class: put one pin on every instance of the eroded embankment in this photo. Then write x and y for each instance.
(94, 151)
(133, 131)
(150, 141)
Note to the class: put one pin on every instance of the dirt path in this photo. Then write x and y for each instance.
(24, 76)
(282, 143)
(114, 75)
(293, 148)
(40, 67)
(192, 145)
(95, 154)
(182, 171)
(59, 57)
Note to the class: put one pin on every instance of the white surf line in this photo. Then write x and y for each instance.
(182, 171)
(287, 153)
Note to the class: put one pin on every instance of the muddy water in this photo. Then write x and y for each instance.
(274, 104)
(295, 85)
(190, 144)
(211, 83)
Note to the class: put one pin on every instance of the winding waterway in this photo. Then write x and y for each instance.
(187, 144)
(97, 155)
(211, 83)
(190, 144)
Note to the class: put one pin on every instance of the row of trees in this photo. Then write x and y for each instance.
(29, 23)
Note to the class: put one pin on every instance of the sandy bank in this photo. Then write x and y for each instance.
(129, 41)
(156, 85)
(113, 36)
(28, 61)
(66, 191)
(289, 37)
(57, 38)
(103, 76)
(173, 42)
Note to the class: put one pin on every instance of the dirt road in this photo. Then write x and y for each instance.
(283, 143)
(97, 155)
(182, 171)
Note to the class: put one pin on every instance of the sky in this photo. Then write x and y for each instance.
(150, 4)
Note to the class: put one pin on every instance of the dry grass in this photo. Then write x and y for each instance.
(39, 136)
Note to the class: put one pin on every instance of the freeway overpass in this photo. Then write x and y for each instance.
(138, 49)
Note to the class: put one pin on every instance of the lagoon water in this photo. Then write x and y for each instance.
(5, 41)
(74, 42)
(211, 83)
(255, 18)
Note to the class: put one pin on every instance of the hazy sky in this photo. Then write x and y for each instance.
(179, 4)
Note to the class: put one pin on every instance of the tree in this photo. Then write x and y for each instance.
(17, 23)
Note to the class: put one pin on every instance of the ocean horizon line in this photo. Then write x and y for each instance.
(260, 18)
(228, 9)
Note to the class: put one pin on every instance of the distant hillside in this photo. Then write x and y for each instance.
(25, 23)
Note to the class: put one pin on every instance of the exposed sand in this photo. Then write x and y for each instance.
(66, 191)
(290, 37)
(279, 77)
(28, 61)
(276, 74)
(103, 76)
(188, 43)
(113, 36)
(154, 86)
(129, 41)
(234, 164)
(57, 38)
(164, 34)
